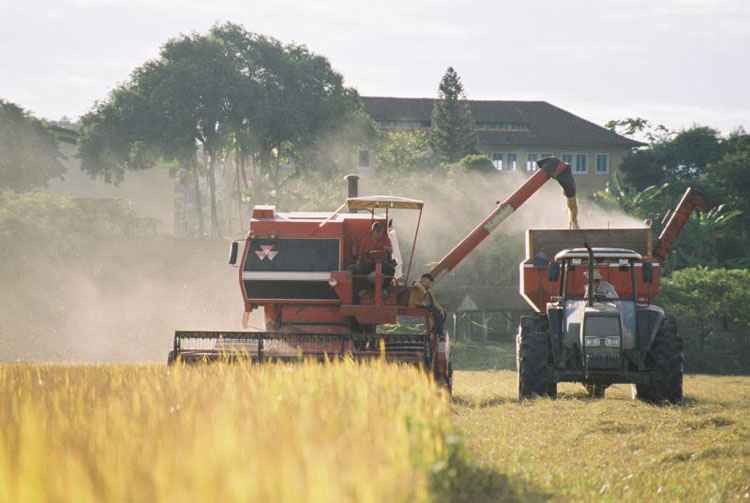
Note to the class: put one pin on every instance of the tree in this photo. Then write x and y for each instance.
(402, 152)
(453, 134)
(115, 135)
(709, 298)
(638, 125)
(729, 177)
(208, 96)
(676, 158)
(477, 163)
(654, 178)
(29, 153)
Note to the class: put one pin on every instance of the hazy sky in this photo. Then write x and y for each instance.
(677, 62)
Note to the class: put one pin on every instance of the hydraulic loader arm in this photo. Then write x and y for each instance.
(550, 167)
(691, 200)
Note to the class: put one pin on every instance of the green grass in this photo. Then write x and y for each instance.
(468, 355)
(616, 449)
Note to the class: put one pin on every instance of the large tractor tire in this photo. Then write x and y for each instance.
(535, 375)
(667, 361)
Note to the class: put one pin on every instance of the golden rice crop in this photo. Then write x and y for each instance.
(337, 432)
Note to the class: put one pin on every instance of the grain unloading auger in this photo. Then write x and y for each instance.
(298, 268)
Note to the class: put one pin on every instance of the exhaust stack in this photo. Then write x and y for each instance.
(352, 188)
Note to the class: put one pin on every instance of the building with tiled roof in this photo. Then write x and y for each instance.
(515, 134)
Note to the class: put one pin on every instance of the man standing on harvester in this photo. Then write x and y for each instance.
(426, 298)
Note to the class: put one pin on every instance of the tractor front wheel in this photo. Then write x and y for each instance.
(535, 376)
(667, 361)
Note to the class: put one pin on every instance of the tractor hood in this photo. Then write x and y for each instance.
(576, 311)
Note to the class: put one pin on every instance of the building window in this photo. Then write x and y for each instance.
(497, 160)
(580, 167)
(364, 158)
(500, 126)
(544, 156)
(567, 158)
(512, 162)
(602, 164)
(531, 162)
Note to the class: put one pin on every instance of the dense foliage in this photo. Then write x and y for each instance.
(711, 306)
(41, 224)
(228, 95)
(654, 178)
(29, 152)
(702, 295)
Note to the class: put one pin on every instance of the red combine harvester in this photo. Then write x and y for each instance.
(298, 267)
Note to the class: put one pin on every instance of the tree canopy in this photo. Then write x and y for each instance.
(654, 178)
(29, 152)
(208, 95)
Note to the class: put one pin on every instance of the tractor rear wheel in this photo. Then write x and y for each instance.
(535, 376)
(667, 360)
(171, 358)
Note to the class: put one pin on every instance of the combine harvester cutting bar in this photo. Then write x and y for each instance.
(198, 346)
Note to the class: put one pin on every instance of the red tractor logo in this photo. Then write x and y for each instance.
(266, 251)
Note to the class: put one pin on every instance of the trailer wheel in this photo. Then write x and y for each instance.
(667, 360)
(535, 377)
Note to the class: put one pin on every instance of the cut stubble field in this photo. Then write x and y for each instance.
(349, 432)
(616, 449)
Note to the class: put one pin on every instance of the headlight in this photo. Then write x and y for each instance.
(611, 341)
(333, 282)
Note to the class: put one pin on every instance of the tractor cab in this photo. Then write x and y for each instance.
(595, 312)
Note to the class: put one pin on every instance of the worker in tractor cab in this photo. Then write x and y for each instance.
(602, 288)
(423, 296)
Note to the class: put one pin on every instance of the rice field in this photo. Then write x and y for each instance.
(343, 432)
(351, 432)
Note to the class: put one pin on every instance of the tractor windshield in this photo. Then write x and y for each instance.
(612, 280)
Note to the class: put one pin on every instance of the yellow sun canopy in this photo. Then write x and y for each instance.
(383, 202)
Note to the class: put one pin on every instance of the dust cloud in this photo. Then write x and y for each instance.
(118, 301)
(454, 206)
(122, 299)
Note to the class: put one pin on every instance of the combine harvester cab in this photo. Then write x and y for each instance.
(615, 334)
